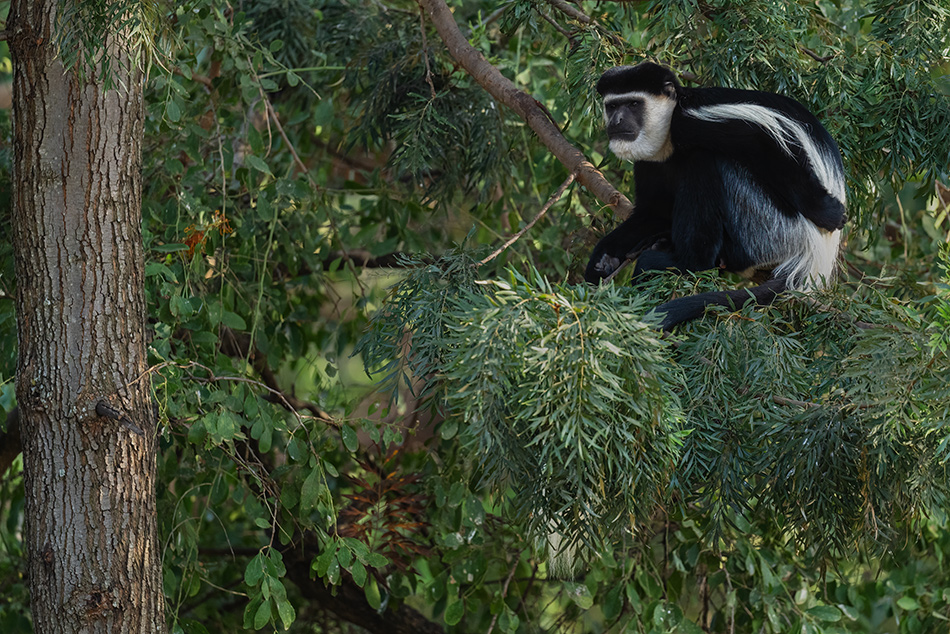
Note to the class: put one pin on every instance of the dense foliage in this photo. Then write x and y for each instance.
(323, 186)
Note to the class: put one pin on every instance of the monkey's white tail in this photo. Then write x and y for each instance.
(562, 556)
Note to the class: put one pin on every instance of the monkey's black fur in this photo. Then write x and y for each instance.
(735, 179)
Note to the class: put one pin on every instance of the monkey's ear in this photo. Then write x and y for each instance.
(669, 90)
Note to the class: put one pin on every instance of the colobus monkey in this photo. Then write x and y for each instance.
(736, 179)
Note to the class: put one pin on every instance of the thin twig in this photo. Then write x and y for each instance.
(863, 325)
(781, 400)
(815, 56)
(284, 400)
(504, 592)
(630, 257)
(688, 76)
(568, 9)
(212, 377)
(491, 18)
(553, 199)
(731, 617)
(425, 50)
(272, 115)
(557, 27)
(617, 270)
(201, 79)
(791, 402)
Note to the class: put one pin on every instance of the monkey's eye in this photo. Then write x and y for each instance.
(630, 104)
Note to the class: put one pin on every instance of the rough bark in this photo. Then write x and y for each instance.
(94, 564)
(525, 106)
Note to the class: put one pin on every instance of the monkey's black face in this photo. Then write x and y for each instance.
(638, 125)
(624, 119)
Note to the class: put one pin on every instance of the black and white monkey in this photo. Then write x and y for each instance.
(734, 179)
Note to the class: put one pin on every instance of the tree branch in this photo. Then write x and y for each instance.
(568, 9)
(525, 106)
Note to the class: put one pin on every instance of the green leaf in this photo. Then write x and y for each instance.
(633, 597)
(172, 111)
(825, 613)
(263, 615)
(322, 563)
(908, 603)
(233, 320)
(297, 449)
(251, 407)
(311, 489)
(258, 164)
(286, 612)
(251, 610)
(333, 572)
(358, 571)
(197, 432)
(350, 439)
(190, 626)
(266, 439)
(688, 627)
(219, 490)
(454, 612)
(360, 549)
(371, 590)
(580, 595)
(345, 557)
(226, 427)
(449, 428)
(153, 269)
(613, 602)
(275, 563)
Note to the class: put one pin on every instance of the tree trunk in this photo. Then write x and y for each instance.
(87, 426)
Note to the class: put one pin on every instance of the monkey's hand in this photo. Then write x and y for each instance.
(600, 267)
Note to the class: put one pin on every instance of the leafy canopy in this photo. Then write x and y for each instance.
(768, 470)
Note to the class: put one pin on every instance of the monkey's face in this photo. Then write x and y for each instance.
(638, 125)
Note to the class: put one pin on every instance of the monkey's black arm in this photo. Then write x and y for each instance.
(649, 222)
(696, 220)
